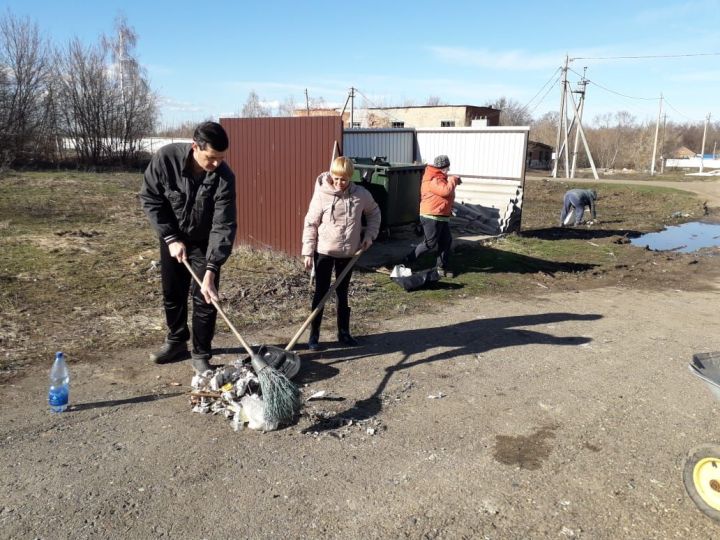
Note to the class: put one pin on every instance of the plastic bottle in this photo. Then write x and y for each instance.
(59, 393)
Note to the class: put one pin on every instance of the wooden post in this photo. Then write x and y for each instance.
(657, 129)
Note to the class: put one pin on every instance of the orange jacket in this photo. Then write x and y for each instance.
(437, 192)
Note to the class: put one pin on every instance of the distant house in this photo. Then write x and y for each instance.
(425, 116)
(539, 155)
(322, 111)
(432, 116)
(682, 153)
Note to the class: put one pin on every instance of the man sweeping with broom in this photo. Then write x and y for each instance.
(188, 194)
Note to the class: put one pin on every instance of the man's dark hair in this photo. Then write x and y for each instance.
(213, 134)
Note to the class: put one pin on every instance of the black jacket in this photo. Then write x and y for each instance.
(180, 208)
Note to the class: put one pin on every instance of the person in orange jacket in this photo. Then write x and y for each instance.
(437, 194)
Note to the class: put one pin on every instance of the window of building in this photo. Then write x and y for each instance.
(398, 124)
(447, 123)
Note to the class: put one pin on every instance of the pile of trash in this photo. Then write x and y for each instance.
(234, 392)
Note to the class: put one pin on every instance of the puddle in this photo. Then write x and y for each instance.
(524, 452)
(684, 238)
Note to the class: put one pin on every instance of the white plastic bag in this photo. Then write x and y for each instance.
(254, 410)
(399, 270)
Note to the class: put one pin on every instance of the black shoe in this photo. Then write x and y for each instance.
(346, 339)
(170, 350)
(200, 363)
(314, 342)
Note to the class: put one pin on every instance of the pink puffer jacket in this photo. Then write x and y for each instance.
(333, 224)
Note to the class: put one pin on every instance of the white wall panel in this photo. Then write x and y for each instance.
(490, 152)
(395, 144)
(692, 163)
(490, 160)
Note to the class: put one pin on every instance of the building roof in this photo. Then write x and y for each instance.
(433, 107)
(537, 143)
(682, 152)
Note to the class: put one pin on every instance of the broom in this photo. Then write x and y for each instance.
(281, 396)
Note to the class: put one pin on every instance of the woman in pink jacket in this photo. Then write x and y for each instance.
(332, 234)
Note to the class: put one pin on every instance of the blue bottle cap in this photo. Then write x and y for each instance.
(58, 355)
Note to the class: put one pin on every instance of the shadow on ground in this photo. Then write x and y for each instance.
(470, 258)
(578, 233)
(466, 338)
(125, 401)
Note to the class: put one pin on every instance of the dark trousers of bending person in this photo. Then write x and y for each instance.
(437, 235)
(176, 284)
(324, 265)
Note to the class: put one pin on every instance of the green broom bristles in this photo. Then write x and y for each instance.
(281, 396)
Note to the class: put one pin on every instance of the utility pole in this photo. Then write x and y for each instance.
(562, 119)
(662, 146)
(657, 129)
(307, 102)
(702, 152)
(584, 139)
(352, 106)
(582, 85)
(562, 146)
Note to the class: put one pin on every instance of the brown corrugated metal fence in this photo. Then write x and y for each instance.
(275, 161)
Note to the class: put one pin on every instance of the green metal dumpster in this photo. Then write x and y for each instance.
(394, 186)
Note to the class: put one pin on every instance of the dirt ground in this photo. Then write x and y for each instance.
(562, 411)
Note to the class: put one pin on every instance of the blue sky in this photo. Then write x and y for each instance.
(203, 58)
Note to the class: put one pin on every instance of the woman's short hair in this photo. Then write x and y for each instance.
(342, 166)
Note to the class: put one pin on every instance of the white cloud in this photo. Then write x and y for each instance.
(171, 104)
(502, 60)
(681, 12)
(697, 76)
(157, 70)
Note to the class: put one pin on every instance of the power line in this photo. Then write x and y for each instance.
(643, 56)
(613, 91)
(541, 89)
(636, 97)
(674, 109)
(544, 96)
(376, 107)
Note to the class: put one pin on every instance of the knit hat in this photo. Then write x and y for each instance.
(441, 162)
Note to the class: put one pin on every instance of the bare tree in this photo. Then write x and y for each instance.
(544, 129)
(287, 107)
(135, 106)
(511, 112)
(253, 108)
(610, 136)
(184, 130)
(24, 76)
(106, 102)
(434, 101)
(317, 102)
(84, 93)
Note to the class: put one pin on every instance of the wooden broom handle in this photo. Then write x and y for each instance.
(221, 312)
(325, 298)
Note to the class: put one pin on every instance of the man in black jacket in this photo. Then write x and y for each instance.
(188, 194)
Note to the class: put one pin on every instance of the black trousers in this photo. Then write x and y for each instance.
(437, 235)
(176, 284)
(324, 265)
